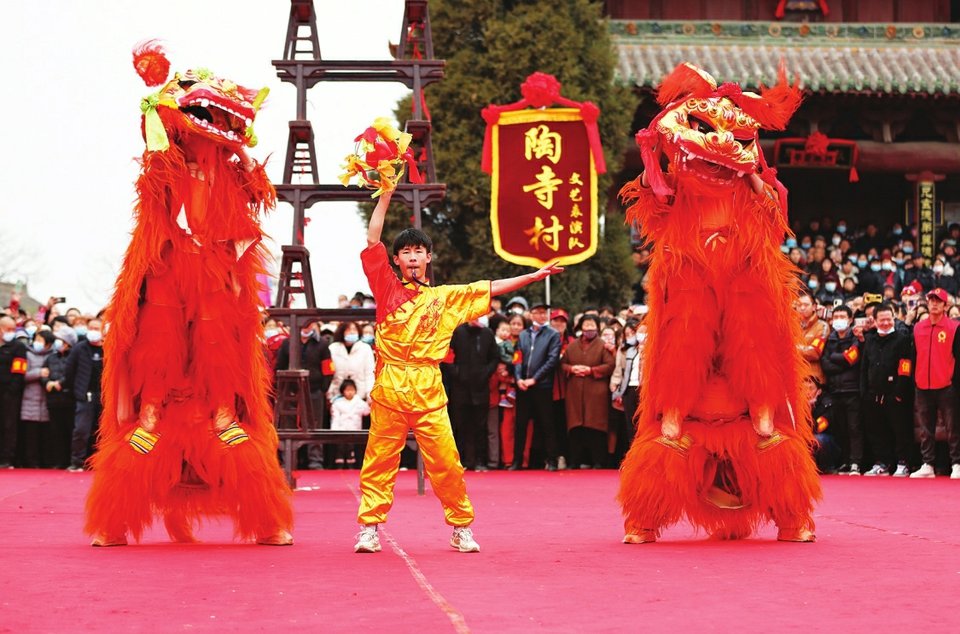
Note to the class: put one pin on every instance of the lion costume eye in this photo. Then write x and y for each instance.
(699, 125)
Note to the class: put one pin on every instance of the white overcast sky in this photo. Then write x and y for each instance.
(70, 125)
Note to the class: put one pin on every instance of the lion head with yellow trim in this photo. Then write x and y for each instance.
(708, 133)
(196, 102)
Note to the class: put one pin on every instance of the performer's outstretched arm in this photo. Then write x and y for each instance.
(500, 287)
(375, 228)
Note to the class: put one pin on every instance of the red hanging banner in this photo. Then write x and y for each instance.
(544, 164)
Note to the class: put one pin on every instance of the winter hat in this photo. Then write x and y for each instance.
(67, 334)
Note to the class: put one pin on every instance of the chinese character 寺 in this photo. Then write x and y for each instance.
(547, 183)
(539, 142)
(550, 236)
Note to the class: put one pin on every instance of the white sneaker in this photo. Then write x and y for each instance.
(878, 469)
(462, 539)
(561, 463)
(902, 471)
(854, 470)
(955, 472)
(926, 471)
(368, 541)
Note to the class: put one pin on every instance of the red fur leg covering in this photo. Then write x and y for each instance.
(684, 345)
(190, 474)
(660, 485)
(654, 484)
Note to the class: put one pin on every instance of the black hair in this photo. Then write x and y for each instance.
(842, 308)
(587, 318)
(412, 237)
(342, 329)
(347, 383)
(46, 335)
(885, 306)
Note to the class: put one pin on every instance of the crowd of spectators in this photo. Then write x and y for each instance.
(532, 386)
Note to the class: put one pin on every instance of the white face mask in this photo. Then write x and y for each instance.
(483, 320)
(884, 332)
(840, 325)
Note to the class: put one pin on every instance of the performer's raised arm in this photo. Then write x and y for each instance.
(375, 228)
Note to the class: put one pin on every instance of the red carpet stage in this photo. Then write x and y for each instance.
(552, 561)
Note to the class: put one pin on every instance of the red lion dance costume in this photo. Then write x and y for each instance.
(723, 433)
(187, 429)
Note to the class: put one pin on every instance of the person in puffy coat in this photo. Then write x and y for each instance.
(60, 401)
(35, 428)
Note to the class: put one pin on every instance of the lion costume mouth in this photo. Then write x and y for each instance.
(218, 117)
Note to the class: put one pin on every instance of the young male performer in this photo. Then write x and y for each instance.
(415, 322)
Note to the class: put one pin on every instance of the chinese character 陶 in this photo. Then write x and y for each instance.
(550, 236)
(540, 142)
(547, 183)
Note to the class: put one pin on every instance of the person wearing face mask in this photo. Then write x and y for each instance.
(918, 271)
(315, 359)
(588, 366)
(352, 359)
(60, 401)
(887, 386)
(871, 278)
(943, 276)
(274, 334)
(936, 376)
(367, 335)
(13, 367)
(475, 358)
(83, 377)
(35, 425)
(625, 381)
(841, 366)
(538, 356)
(830, 293)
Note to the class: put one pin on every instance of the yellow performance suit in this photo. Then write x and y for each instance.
(414, 327)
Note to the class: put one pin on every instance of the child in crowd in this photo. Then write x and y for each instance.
(346, 414)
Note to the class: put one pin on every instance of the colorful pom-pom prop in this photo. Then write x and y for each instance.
(381, 156)
(151, 63)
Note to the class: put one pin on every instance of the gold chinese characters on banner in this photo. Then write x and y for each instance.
(544, 187)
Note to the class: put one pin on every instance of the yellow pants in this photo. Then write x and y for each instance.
(388, 433)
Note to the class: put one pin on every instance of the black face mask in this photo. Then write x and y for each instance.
(589, 335)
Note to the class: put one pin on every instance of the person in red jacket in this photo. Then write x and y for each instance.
(938, 349)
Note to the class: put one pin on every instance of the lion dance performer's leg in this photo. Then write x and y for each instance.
(234, 452)
(127, 471)
(681, 343)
